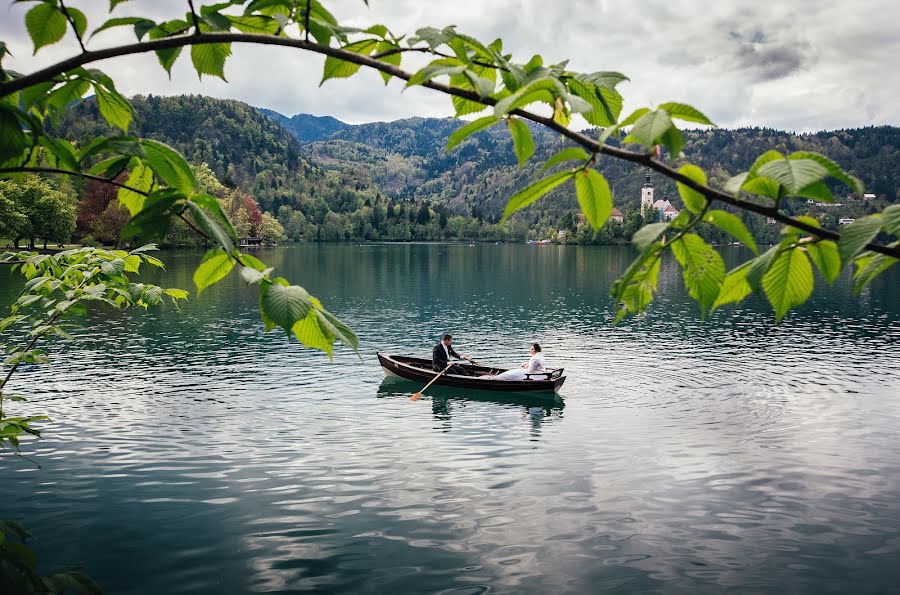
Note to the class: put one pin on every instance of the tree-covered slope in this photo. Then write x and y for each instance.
(243, 147)
(306, 127)
(406, 159)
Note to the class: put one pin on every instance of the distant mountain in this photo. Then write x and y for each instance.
(406, 160)
(244, 147)
(344, 178)
(306, 127)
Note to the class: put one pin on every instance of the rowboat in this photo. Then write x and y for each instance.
(419, 370)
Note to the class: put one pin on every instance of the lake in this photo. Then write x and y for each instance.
(189, 452)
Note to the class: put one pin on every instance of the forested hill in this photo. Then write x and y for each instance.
(406, 158)
(346, 182)
(244, 147)
(305, 127)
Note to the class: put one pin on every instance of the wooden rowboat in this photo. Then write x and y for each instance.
(419, 370)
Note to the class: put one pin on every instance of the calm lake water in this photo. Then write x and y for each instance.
(191, 453)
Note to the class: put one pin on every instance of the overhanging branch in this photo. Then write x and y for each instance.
(585, 141)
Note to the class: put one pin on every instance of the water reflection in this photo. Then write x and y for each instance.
(687, 456)
(535, 410)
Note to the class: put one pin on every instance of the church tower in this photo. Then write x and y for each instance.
(647, 195)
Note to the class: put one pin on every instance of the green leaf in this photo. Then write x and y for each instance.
(794, 174)
(60, 153)
(693, 200)
(686, 112)
(634, 289)
(649, 128)
(336, 327)
(732, 224)
(73, 90)
(594, 197)
(178, 294)
(759, 266)
(463, 106)
(12, 138)
(167, 58)
(634, 117)
(146, 25)
(834, 170)
(824, 254)
(441, 67)
(788, 282)
(570, 154)
(890, 220)
(311, 332)
(522, 141)
(525, 197)
(209, 226)
(463, 132)
(702, 269)
(394, 60)
(817, 191)
(114, 108)
(870, 265)
(209, 58)
(734, 288)
(215, 266)
(78, 19)
(212, 205)
(647, 235)
(856, 235)
(140, 178)
(605, 102)
(46, 25)
(252, 262)
(155, 218)
(112, 267)
(169, 165)
(285, 305)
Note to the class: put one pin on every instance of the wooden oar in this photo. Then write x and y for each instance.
(416, 396)
(471, 361)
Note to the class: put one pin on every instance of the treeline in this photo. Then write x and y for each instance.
(394, 181)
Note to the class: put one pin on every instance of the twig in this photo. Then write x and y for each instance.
(194, 17)
(72, 22)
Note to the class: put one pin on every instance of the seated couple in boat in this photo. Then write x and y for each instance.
(532, 366)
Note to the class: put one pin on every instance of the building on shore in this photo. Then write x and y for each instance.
(666, 210)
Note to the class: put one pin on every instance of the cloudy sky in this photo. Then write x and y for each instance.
(797, 64)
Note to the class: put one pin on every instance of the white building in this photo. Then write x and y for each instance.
(868, 196)
(647, 195)
(845, 221)
(665, 208)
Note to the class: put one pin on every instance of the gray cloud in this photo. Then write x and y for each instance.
(802, 65)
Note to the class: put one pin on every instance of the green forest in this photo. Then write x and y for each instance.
(309, 178)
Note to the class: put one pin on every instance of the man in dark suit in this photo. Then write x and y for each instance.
(440, 357)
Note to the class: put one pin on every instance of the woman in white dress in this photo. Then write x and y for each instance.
(535, 364)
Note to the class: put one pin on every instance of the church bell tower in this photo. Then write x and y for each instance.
(647, 195)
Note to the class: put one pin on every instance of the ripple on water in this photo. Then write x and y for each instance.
(682, 456)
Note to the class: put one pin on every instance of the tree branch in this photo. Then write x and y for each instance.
(54, 170)
(194, 17)
(72, 22)
(585, 141)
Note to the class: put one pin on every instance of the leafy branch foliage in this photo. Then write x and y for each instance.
(479, 76)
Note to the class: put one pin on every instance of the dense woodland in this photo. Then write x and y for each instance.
(324, 180)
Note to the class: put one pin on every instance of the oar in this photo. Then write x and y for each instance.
(416, 396)
(471, 361)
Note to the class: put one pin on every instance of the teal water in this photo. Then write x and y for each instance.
(191, 453)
